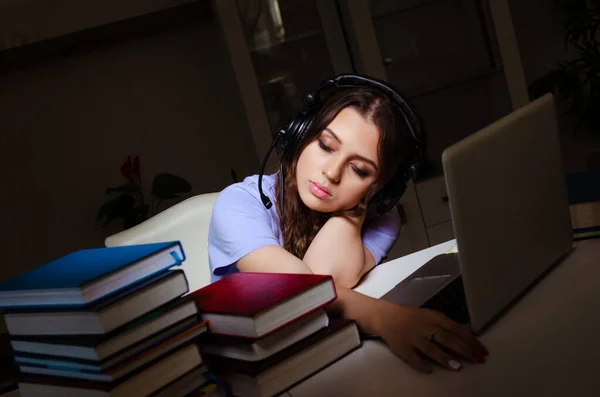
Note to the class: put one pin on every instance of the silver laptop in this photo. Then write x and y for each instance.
(510, 215)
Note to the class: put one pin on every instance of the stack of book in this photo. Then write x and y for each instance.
(106, 322)
(270, 331)
(8, 371)
(583, 189)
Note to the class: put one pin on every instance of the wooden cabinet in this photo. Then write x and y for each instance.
(428, 45)
(435, 209)
(448, 56)
(434, 201)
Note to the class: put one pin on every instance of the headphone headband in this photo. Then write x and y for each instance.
(358, 81)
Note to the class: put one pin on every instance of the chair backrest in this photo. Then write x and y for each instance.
(187, 222)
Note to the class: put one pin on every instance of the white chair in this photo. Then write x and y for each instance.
(187, 222)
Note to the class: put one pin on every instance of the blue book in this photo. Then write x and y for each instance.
(84, 276)
(116, 367)
(103, 316)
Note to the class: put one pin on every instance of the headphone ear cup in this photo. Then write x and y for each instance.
(384, 200)
(296, 131)
(288, 135)
(307, 124)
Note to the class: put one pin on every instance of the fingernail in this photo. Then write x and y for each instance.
(455, 365)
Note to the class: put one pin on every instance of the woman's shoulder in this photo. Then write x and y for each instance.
(246, 191)
(238, 208)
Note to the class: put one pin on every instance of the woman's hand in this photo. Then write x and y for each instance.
(357, 218)
(412, 333)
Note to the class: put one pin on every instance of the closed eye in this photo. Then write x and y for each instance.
(360, 172)
(325, 147)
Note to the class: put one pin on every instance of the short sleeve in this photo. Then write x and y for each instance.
(239, 225)
(380, 235)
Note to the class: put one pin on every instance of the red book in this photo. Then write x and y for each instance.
(253, 305)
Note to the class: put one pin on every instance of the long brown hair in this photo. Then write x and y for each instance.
(299, 224)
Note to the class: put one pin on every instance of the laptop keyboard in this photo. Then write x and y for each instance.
(451, 301)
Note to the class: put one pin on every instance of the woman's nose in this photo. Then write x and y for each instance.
(333, 170)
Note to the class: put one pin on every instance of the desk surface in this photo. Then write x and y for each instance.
(548, 344)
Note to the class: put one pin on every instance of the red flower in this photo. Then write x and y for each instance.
(127, 168)
(131, 169)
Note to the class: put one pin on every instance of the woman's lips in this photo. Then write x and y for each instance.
(319, 191)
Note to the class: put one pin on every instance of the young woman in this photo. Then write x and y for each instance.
(355, 145)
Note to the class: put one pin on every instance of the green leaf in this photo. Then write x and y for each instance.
(136, 216)
(106, 208)
(123, 207)
(142, 212)
(167, 186)
(129, 187)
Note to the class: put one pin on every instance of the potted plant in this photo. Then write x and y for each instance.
(577, 81)
(129, 205)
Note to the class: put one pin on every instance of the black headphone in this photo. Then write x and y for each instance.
(292, 134)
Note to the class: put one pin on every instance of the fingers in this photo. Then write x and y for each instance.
(407, 335)
(411, 357)
(467, 336)
(437, 354)
(462, 332)
(451, 342)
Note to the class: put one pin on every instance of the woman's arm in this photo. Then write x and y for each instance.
(240, 233)
(350, 304)
(404, 329)
(337, 249)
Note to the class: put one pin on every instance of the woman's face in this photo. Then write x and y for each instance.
(335, 171)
